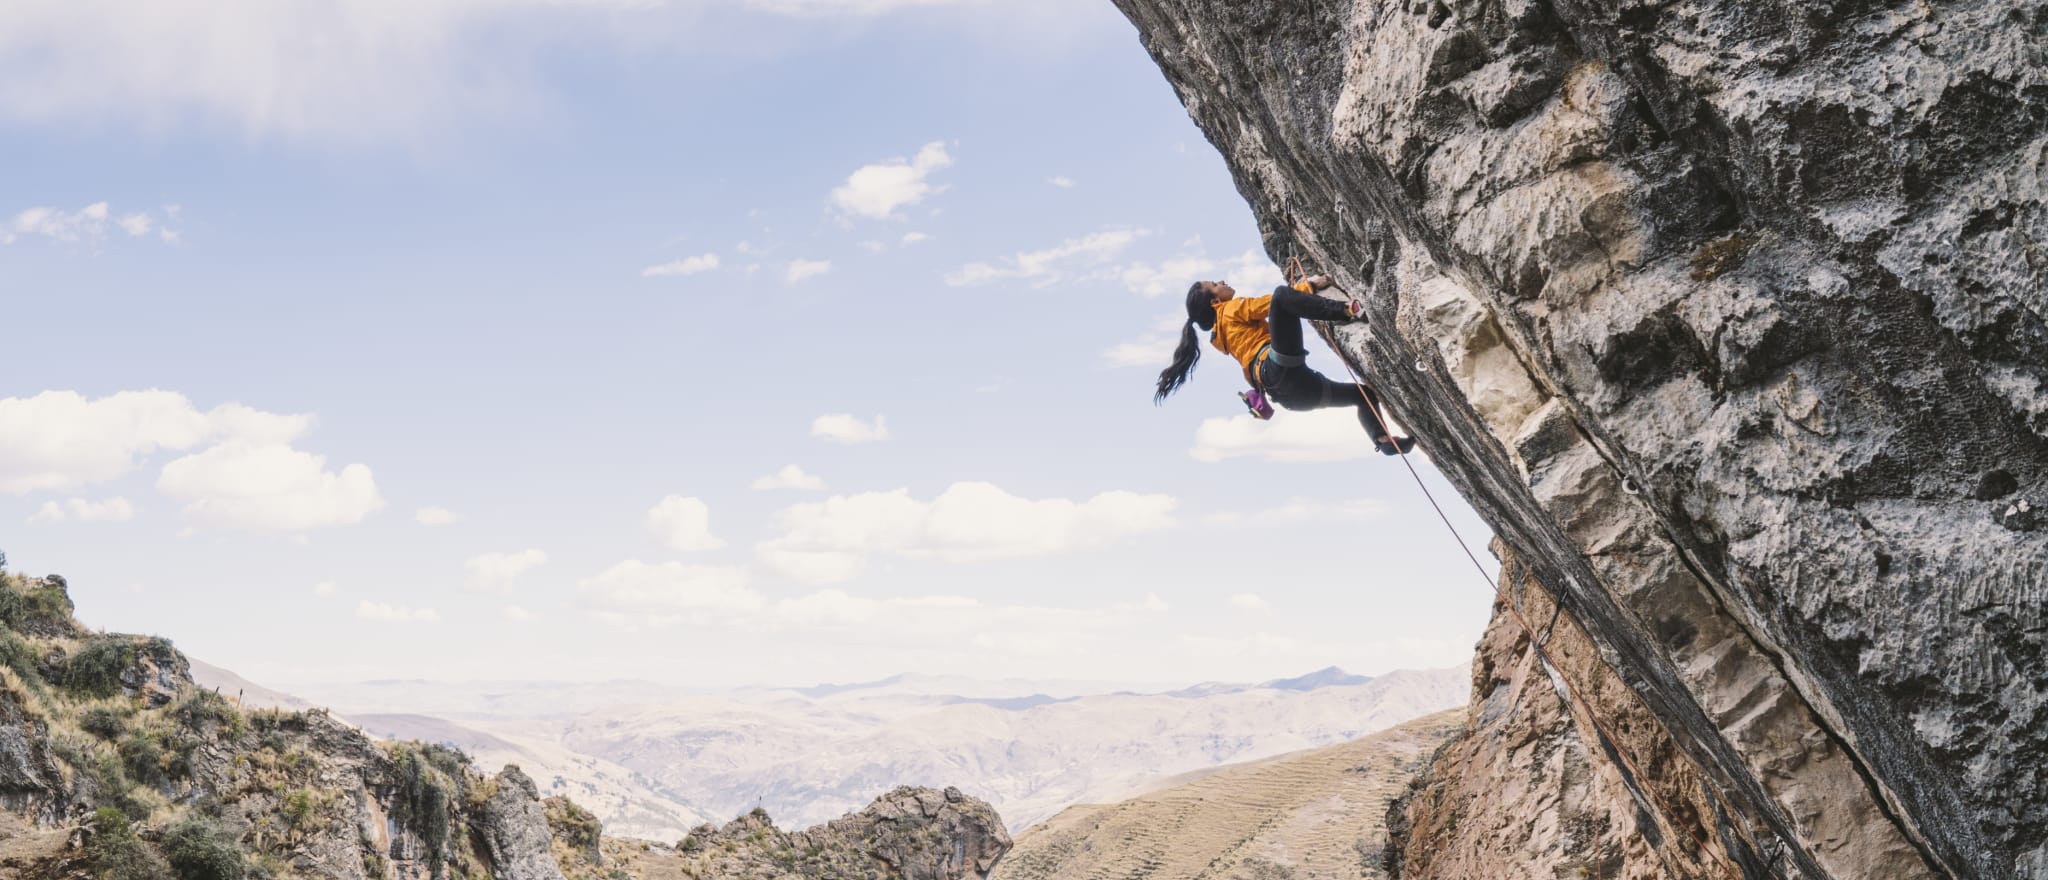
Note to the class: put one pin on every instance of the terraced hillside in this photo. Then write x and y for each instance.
(1304, 816)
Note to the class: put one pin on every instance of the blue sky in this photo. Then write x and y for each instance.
(476, 339)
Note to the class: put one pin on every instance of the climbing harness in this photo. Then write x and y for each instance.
(1627, 765)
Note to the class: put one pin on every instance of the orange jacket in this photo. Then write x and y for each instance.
(1242, 332)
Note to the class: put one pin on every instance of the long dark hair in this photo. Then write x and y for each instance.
(1201, 313)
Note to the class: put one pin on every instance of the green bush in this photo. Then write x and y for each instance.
(32, 606)
(20, 655)
(206, 708)
(104, 722)
(420, 802)
(203, 849)
(153, 759)
(116, 854)
(95, 671)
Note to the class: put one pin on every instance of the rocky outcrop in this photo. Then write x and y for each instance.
(1729, 318)
(909, 833)
(515, 829)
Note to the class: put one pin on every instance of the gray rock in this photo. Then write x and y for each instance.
(515, 829)
(1724, 311)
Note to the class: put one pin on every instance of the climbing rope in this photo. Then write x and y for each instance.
(1294, 273)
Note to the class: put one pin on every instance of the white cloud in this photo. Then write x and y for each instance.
(268, 487)
(1249, 602)
(682, 524)
(369, 610)
(790, 477)
(324, 589)
(1050, 265)
(876, 191)
(1250, 272)
(60, 439)
(658, 593)
(1062, 181)
(830, 540)
(1314, 436)
(81, 510)
(872, 246)
(684, 266)
(914, 237)
(799, 270)
(497, 571)
(516, 613)
(436, 516)
(1297, 510)
(844, 428)
(88, 225)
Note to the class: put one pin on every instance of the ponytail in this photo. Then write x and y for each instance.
(1202, 313)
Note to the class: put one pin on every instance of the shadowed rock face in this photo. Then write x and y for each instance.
(1729, 318)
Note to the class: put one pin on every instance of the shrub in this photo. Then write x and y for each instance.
(20, 655)
(104, 722)
(95, 671)
(30, 606)
(203, 849)
(206, 708)
(143, 757)
(116, 854)
(420, 802)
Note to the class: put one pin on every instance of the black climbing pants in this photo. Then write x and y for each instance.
(1294, 385)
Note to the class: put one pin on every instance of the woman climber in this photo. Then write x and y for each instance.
(1264, 334)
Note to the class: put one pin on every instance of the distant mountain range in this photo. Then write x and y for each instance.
(653, 760)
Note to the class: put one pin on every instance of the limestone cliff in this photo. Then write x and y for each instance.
(1729, 318)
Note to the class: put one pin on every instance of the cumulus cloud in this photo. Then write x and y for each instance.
(1250, 272)
(249, 477)
(1062, 181)
(790, 477)
(658, 593)
(1316, 436)
(914, 237)
(516, 613)
(682, 524)
(684, 266)
(844, 428)
(497, 571)
(435, 516)
(268, 487)
(831, 540)
(60, 439)
(798, 270)
(876, 191)
(369, 610)
(88, 225)
(324, 589)
(1075, 257)
(84, 511)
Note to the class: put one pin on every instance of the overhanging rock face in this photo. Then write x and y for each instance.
(1728, 315)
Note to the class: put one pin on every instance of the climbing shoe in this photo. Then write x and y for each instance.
(1395, 446)
(1256, 401)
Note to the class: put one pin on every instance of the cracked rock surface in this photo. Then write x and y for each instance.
(1729, 318)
